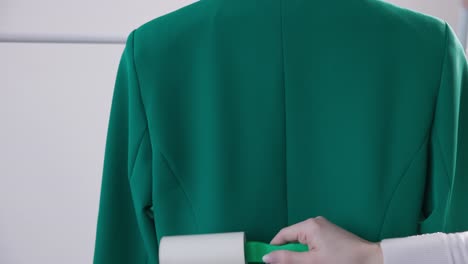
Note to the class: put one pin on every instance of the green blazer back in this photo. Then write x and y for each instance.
(252, 115)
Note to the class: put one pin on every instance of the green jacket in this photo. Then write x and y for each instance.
(252, 115)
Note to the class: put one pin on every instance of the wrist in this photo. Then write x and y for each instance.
(374, 254)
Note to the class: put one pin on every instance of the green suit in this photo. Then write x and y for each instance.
(252, 115)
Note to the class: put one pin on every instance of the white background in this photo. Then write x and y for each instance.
(54, 105)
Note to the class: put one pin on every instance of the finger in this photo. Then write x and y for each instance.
(293, 233)
(288, 257)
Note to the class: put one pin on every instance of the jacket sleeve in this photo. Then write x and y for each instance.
(121, 230)
(446, 200)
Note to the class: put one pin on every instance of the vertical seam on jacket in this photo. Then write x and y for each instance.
(136, 74)
(140, 141)
(433, 129)
(145, 130)
(402, 177)
(284, 115)
(442, 73)
(449, 182)
(444, 160)
(139, 90)
(442, 64)
(179, 181)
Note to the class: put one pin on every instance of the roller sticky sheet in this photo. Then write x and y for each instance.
(226, 248)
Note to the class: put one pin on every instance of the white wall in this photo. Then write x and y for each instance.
(82, 18)
(54, 106)
(445, 9)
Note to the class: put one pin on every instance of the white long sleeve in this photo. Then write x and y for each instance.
(435, 248)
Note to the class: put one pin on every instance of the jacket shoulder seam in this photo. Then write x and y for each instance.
(441, 76)
(135, 69)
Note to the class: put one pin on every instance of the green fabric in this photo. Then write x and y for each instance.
(254, 251)
(253, 115)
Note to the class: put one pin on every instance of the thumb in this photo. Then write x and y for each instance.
(287, 257)
(293, 233)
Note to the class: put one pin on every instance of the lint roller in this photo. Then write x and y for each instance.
(228, 248)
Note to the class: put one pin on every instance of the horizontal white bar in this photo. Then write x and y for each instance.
(31, 38)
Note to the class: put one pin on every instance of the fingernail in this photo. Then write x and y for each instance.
(266, 259)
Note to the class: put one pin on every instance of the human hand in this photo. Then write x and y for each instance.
(328, 244)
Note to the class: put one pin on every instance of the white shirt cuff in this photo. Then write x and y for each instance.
(436, 248)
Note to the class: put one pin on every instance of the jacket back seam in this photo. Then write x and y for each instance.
(181, 186)
(138, 150)
(402, 177)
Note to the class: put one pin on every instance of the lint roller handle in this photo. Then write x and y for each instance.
(254, 251)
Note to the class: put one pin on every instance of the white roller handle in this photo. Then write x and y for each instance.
(226, 248)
